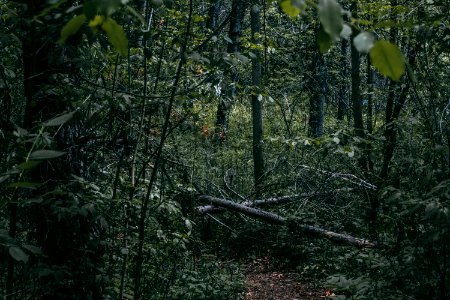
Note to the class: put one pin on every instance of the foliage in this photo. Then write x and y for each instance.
(209, 280)
(88, 137)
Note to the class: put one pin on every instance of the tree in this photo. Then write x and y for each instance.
(318, 86)
(343, 87)
(238, 9)
(61, 227)
(258, 159)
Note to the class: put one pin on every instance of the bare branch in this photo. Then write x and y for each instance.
(338, 238)
(262, 202)
(348, 177)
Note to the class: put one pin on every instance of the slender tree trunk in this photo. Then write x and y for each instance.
(369, 112)
(343, 87)
(235, 31)
(6, 125)
(213, 14)
(369, 96)
(318, 87)
(356, 83)
(157, 161)
(258, 158)
(317, 100)
(390, 130)
(358, 123)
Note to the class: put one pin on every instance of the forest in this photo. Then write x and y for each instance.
(224, 149)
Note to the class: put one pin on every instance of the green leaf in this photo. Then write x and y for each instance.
(227, 38)
(116, 36)
(292, 7)
(28, 165)
(388, 59)
(97, 21)
(330, 16)
(57, 121)
(26, 185)
(323, 40)
(33, 249)
(45, 154)
(18, 254)
(71, 28)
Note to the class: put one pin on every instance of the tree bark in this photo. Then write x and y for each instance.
(356, 83)
(343, 87)
(234, 33)
(64, 238)
(207, 209)
(338, 238)
(213, 14)
(258, 158)
(318, 86)
(368, 147)
(317, 102)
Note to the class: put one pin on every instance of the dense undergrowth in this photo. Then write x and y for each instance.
(103, 157)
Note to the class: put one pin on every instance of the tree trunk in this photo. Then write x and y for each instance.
(369, 113)
(356, 83)
(234, 33)
(317, 101)
(258, 158)
(64, 238)
(343, 87)
(338, 238)
(207, 209)
(318, 86)
(213, 14)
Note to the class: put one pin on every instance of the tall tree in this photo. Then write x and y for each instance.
(258, 159)
(213, 14)
(237, 14)
(60, 228)
(343, 86)
(356, 81)
(318, 86)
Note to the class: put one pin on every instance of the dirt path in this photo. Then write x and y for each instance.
(264, 283)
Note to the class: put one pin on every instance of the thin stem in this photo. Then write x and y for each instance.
(146, 201)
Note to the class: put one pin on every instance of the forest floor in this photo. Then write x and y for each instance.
(265, 282)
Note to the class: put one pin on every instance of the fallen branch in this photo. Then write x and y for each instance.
(208, 209)
(249, 211)
(338, 238)
(280, 200)
(347, 177)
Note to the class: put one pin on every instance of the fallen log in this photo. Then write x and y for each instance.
(208, 209)
(280, 200)
(249, 211)
(338, 238)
